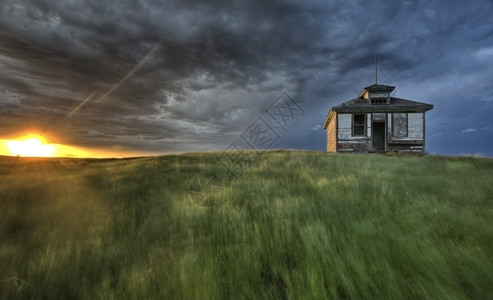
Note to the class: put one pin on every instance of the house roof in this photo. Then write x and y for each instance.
(377, 88)
(396, 105)
(380, 87)
(363, 105)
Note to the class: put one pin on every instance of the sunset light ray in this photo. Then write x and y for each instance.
(81, 104)
(129, 74)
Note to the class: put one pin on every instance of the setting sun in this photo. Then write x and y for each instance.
(30, 147)
(37, 145)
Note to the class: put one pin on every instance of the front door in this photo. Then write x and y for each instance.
(379, 136)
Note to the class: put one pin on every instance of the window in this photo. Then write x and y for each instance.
(378, 100)
(359, 122)
(399, 125)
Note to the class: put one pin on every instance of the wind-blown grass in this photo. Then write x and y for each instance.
(290, 225)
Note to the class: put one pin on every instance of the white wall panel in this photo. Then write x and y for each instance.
(344, 126)
(415, 126)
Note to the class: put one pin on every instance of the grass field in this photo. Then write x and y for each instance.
(287, 225)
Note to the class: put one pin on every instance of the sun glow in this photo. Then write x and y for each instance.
(31, 147)
(36, 145)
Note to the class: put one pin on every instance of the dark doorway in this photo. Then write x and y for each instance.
(379, 136)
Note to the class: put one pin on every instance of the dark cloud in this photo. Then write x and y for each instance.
(219, 64)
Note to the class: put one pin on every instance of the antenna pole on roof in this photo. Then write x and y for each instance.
(375, 68)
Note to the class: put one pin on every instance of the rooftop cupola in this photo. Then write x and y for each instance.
(377, 94)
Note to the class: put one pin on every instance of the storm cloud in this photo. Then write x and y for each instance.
(176, 76)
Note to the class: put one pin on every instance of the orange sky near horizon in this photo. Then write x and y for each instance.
(61, 150)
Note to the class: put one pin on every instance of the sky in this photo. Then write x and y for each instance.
(144, 77)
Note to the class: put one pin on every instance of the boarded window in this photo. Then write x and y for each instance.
(359, 124)
(399, 125)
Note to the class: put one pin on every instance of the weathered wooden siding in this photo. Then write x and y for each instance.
(405, 145)
(340, 139)
(332, 132)
(379, 116)
(415, 126)
(346, 142)
(414, 141)
(389, 127)
(363, 144)
(344, 126)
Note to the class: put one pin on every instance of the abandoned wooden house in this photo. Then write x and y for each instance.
(377, 122)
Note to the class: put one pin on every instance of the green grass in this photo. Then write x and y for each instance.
(288, 225)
